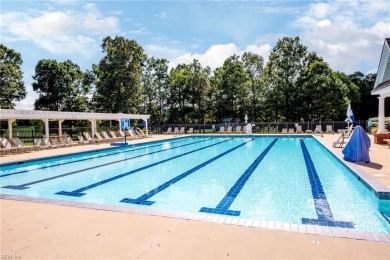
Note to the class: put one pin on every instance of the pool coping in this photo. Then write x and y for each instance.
(371, 183)
(219, 219)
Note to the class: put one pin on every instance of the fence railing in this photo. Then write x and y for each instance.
(262, 127)
(257, 127)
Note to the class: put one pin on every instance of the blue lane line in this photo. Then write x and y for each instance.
(143, 199)
(85, 159)
(78, 192)
(223, 206)
(25, 185)
(324, 213)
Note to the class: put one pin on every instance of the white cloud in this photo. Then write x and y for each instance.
(324, 23)
(59, 32)
(94, 21)
(217, 54)
(347, 34)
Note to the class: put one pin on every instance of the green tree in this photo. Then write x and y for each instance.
(281, 73)
(229, 84)
(322, 94)
(198, 84)
(368, 104)
(253, 65)
(179, 94)
(61, 86)
(11, 77)
(119, 72)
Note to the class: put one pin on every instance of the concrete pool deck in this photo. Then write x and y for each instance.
(36, 230)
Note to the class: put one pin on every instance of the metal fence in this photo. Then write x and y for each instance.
(257, 127)
(261, 127)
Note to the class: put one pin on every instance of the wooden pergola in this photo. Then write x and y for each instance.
(11, 115)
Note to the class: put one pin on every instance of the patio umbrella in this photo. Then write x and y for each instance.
(246, 118)
(350, 115)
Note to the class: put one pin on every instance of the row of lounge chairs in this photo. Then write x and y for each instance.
(317, 130)
(176, 130)
(15, 145)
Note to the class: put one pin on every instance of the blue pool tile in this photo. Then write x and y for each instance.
(322, 207)
(25, 185)
(224, 205)
(143, 199)
(93, 185)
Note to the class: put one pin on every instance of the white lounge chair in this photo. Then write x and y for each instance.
(169, 131)
(238, 129)
(90, 139)
(190, 130)
(229, 129)
(299, 129)
(221, 129)
(339, 141)
(82, 141)
(318, 130)
(182, 130)
(284, 130)
(329, 129)
(291, 131)
(176, 130)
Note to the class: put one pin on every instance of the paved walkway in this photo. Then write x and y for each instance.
(34, 230)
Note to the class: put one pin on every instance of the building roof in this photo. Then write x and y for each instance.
(56, 115)
(382, 82)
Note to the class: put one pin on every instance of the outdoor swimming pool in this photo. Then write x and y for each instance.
(287, 179)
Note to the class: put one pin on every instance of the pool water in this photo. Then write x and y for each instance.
(283, 179)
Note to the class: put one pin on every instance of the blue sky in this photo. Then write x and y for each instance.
(348, 34)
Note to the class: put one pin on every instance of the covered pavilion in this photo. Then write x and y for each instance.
(11, 115)
(382, 84)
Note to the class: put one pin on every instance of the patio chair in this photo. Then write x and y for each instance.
(176, 130)
(19, 144)
(112, 133)
(70, 141)
(329, 129)
(90, 139)
(132, 135)
(100, 138)
(47, 143)
(82, 141)
(299, 129)
(182, 130)
(229, 129)
(291, 131)
(64, 142)
(169, 131)
(141, 133)
(221, 129)
(56, 142)
(284, 130)
(318, 130)
(190, 130)
(339, 141)
(6, 147)
(107, 137)
(39, 145)
(238, 129)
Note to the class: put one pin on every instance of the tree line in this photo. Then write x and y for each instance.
(293, 85)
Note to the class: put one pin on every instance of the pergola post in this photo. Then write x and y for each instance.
(146, 126)
(93, 127)
(10, 122)
(46, 121)
(60, 127)
(381, 115)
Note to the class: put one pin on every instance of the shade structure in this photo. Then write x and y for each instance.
(357, 149)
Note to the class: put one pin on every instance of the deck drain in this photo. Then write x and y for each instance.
(316, 242)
